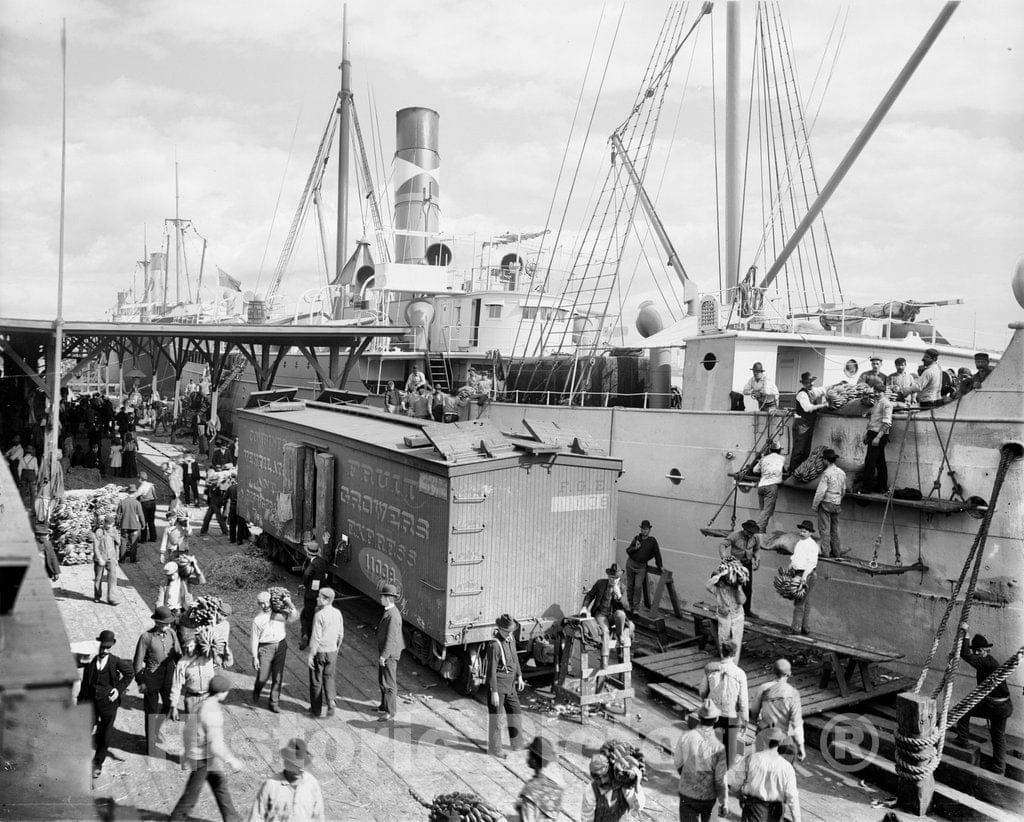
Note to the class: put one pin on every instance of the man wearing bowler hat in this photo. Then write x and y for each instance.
(809, 402)
(604, 601)
(103, 683)
(744, 545)
(390, 645)
(504, 682)
(640, 552)
(996, 707)
(803, 563)
(313, 579)
(828, 503)
(155, 654)
(293, 795)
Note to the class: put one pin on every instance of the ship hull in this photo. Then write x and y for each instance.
(893, 612)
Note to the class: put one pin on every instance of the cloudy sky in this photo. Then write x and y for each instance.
(934, 208)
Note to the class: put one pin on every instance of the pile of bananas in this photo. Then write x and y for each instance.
(205, 611)
(466, 807)
(75, 519)
(842, 394)
(278, 599)
(624, 759)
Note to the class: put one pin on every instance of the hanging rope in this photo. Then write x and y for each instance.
(888, 496)
(917, 757)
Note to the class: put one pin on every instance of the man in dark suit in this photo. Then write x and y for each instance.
(156, 653)
(604, 601)
(103, 683)
(504, 682)
(390, 645)
(189, 480)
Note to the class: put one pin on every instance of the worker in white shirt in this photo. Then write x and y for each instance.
(762, 388)
(770, 467)
(874, 479)
(322, 655)
(766, 784)
(725, 684)
(269, 647)
(146, 495)
(803, 562)
(928, 385)
(828, 503)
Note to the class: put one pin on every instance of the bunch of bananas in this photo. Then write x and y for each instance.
(205, 611)
(624, 760)
(466, 807)
(278, 599)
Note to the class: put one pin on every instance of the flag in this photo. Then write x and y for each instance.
(225, 280)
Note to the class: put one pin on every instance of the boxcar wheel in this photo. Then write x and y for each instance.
(465, 683)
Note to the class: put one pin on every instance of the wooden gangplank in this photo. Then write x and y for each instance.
(845, 675)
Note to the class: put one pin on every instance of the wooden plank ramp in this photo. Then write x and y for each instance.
(676, 675)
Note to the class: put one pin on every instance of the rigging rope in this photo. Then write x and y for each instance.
(280, 191)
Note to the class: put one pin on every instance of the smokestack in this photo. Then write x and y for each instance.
(417, 188)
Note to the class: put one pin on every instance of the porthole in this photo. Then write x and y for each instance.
(675, 476)
(709, 361)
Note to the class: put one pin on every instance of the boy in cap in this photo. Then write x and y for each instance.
(156, 652)
(778, 706)
(504, 682)
(900, 380)
(700, 761)
(541, 797)
(608, 800)
(983, 368)
(106, 543)
(103, 683)
(269, 647)
(293, 795)
(766, 783)
(640, 552)
(875, 476)
(390, 644)
(762, 388)
(828, 502)
(809, 402)
(804, 562)
(207, 755)
(996, 707)
(174, 591)
(322, 655)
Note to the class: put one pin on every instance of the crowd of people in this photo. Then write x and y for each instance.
(421, 400)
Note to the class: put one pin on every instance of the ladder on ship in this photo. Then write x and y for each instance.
(440, 371)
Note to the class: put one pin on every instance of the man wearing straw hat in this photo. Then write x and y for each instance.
(699, 759)
(293, 795)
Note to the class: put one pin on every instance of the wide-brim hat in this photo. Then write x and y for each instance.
(389, 590)
(613, 570)
(170, 567)
(296, 751)
(708, 710)
(106, 639)
(312, 548)
(505, 623)
(163, 614)
(979, 641)
(807, 376)
(757, 367)
(543, 749)
(806, 525)
(751, 527)
(829, 454)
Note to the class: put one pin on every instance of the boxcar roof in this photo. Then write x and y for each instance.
(388, 431)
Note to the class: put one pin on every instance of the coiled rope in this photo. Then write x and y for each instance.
(918, 757)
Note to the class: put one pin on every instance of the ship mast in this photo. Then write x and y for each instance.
(344, 101)
(733, 160)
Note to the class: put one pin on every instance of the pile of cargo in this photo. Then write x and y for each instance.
(75, 519)
(465, 807)
(851, 397)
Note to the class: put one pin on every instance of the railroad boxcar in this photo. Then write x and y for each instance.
(466, 521)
